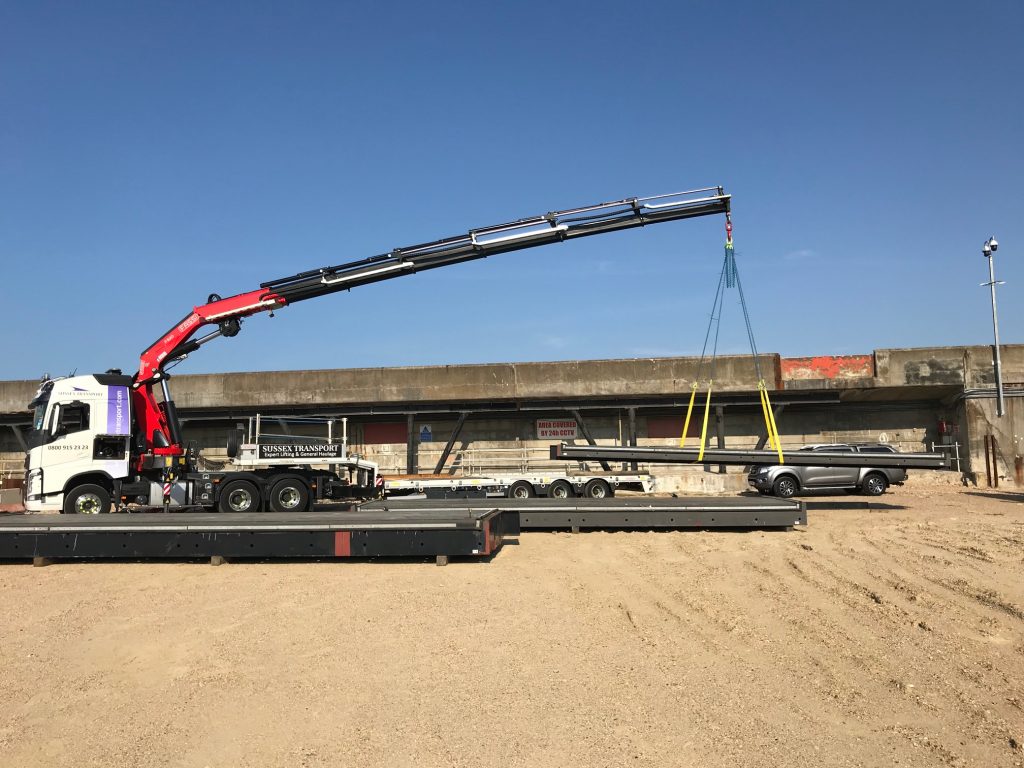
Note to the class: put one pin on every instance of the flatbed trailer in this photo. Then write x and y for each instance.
(736, 512)
(345, 532)
(555, 483)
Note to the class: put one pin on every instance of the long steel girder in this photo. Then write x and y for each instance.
(660, 455)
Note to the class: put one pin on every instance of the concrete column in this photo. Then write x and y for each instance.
(720, 432)
(410, 445)
(632, 434)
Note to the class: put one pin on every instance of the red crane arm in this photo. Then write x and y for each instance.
(221, 311)
(154, 418)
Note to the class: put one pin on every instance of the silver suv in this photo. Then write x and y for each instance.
(784, 481)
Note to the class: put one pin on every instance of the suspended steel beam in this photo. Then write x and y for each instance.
(658, 455)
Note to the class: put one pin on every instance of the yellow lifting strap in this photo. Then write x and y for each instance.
(769, 420)
(704, 429)
(689, 412)
(704, 426)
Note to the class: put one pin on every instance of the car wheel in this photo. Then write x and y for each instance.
(289, 495)
(87, 500)
(785, 487)
(521, 489)
(239, 496)
(874, 485)
(560, 489)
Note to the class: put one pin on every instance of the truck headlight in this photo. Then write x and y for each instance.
(34, 482)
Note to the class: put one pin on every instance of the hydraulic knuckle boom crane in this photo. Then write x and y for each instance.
(152, 439)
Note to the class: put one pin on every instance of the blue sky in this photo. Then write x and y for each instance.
(152, 153)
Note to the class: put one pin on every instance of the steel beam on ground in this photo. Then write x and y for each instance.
(639, 513)
(660, 455)
(324, 533)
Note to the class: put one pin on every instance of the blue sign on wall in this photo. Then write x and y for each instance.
(425, 434)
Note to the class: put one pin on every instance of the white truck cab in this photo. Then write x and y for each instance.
(81, 432)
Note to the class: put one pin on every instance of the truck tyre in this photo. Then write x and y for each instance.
(239, 496)
(561, 489)
(234, 444)
(289, 495)
(597, 489)
(874, 485)
(87, 500)
(521, 489)
(785, 487)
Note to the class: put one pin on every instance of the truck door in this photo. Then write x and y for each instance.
(68, 448)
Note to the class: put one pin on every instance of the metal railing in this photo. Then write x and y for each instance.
(481, 461)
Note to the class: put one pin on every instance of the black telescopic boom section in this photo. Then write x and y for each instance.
(518, 235)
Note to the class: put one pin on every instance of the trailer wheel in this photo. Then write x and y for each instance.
(87, 500)
(289, 495)
(521, 489)
(239, 496)
(561, 489)
(597, 489)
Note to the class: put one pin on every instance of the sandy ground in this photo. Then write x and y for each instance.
(889, 636)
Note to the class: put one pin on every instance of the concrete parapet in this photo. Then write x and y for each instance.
(969, 367)
(469, 383)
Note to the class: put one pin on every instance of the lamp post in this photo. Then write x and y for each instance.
(988, 251)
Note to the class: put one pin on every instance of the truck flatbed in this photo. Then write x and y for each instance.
(346, 532)
(750, 512)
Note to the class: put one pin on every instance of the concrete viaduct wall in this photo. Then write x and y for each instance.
(899, 394)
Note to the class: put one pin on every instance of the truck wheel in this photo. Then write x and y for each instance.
(874, 485)
(239, 496)
(87, 500)
(521, 489)
(289, 495)
(785, 487)
(561, 489)
(597, 489)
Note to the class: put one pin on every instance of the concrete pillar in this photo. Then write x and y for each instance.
(410, 445)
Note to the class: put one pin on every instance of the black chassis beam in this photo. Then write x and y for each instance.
(698, 512)
(660, 455)
(179, 535)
